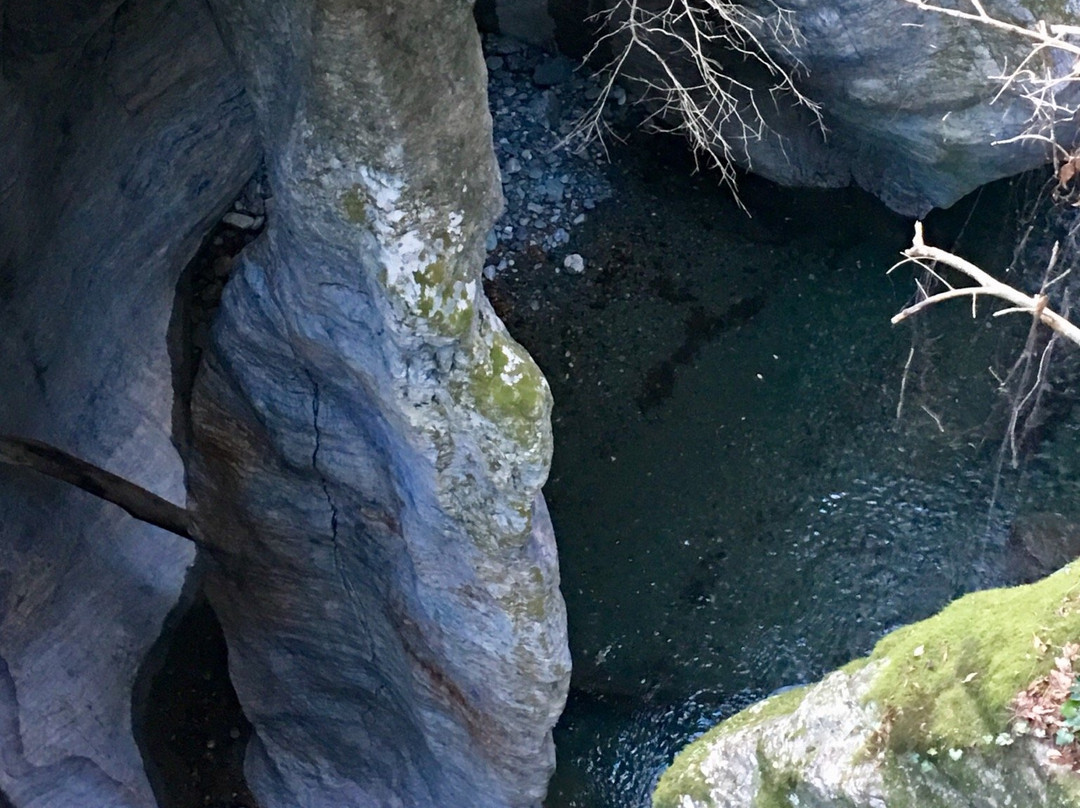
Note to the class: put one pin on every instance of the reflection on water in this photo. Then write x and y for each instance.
(737, 504)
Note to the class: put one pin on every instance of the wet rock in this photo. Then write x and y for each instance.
(553, 71)
(1042, 543)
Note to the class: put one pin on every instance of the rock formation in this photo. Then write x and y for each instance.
(367, 443)
(123, 134)
(924, 721)
(908, 97)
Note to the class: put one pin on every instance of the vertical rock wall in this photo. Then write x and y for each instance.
(370, 443)
(123, 132)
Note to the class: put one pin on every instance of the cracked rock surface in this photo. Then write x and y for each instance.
(369, 441)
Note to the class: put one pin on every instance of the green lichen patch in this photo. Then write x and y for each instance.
(510, 391)
(947, 681)
(684, 775)
(777, 785)
(442, 301)
(355, 205)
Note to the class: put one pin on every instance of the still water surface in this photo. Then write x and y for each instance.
(738, 506)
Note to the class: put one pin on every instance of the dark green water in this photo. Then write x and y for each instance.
(738, 506)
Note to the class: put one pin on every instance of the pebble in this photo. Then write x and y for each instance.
(546, 186)
(553, 71)
(241, 221)
(574, 263)
(489, 272)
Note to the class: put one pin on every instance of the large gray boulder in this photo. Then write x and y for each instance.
(925, 721)
(911, 101)
(369, 441)
(123, 133)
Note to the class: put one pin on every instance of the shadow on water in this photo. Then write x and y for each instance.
(738, 506)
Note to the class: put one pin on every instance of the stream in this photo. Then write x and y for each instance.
(738, 506)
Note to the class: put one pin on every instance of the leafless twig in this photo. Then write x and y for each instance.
(685, 43)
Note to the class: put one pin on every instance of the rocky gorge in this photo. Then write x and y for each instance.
(359, 441)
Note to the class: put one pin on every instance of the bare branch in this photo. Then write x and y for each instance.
(1036, 305)
(690, 88)
(137, 501)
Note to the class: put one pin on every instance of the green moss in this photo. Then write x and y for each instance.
(354, 205)
(776, 787)
(684, 775)
(510, 390)
(948, 681)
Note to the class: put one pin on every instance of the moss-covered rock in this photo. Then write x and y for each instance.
(924, 721)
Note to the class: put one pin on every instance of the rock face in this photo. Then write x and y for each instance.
(908, 99)
(907, 96)
(1042, 542)
(369, 441)
(123, 133)
(925, 721)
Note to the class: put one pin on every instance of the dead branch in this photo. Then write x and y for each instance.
(693, 92)
(1035, 305)
(1048, 35)
(137, 501)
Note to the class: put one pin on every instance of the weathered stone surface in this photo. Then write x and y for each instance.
(1042, 542)
(370, 443)
(121, 134)
(923, 723)
(907, 97)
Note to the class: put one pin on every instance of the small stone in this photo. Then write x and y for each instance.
(234, 733)
(560, 236)
(513, 166)
(495, 63)
(553, 189)
(492, 241)
(579, 219)
(241, 221)
(211, 744)
(223, 265)
(618, 95)
(574, 263)
(534, 305)
(489, 272)
(553, 71)
(589, 204)
(535, 172)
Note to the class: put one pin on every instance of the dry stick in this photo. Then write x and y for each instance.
(1034, 305)
(1050, 35)
(137, 501)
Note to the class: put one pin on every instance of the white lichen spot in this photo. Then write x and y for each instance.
(513, 372)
